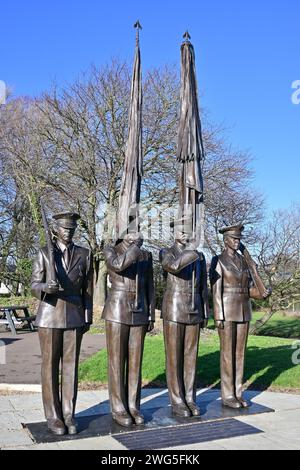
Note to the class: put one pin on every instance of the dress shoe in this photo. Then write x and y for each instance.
(244, 403)
(181, 410)
(122, 418)
(71, 425)
(56, 426)
(232, 403)
(137, 416)
(195, 410)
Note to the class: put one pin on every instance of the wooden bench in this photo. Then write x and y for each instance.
(9, 316)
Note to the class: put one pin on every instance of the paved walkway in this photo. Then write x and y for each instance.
(280, 430)
(23, 357)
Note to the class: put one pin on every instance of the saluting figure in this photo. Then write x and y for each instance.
(184, 311)
(232, 287)
(185, 304)
(64, 314)
(129, 308)
(129, 313)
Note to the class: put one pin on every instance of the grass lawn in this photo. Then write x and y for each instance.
(279, 325)
(268, 366)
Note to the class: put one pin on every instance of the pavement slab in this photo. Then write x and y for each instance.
(279, 430)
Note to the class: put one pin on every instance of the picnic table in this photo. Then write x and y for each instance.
(9, 316)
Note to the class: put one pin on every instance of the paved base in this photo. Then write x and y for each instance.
(279, 430)
(197, 433)
(157, 419)
(23, 356)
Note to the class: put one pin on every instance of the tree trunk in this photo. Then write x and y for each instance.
(100, 288)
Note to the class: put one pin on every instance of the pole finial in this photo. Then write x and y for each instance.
(137, 26)
(187, 36)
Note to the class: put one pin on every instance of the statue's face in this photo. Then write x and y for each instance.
(65, 235)
(232, 242)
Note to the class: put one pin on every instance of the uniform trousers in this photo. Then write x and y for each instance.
(125, 345)
(233, 342)
(59, 346)
(181, 347)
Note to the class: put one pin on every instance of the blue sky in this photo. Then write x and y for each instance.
(247, 56)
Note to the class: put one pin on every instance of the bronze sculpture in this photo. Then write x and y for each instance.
(183, 313)
(232, 287)
(129, 308)
(64, 314)
(127, 322)
(185, 302)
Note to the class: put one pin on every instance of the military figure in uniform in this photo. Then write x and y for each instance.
(64, 314)
(183, 313)
(129, 312)
(232, 288)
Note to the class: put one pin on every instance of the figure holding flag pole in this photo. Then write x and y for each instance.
(185, 303)
(129, 308)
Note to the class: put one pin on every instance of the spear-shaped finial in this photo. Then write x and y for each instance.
(187, 36)
(137, 26)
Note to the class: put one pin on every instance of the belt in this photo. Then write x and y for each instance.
(181, 291)
(237, 290)
(123, 289)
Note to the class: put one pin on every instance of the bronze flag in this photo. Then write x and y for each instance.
(190, 145)
(190, 148)
(132, 173)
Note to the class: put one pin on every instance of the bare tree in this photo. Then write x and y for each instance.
(278, 255)
(26, 171)
(86, 124)
(70, 144)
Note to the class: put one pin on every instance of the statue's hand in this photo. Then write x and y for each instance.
(51, 288)
(219, 324)
(267, 293)
(150, 326)
(129, 238)
(139, 241)
(134, 237)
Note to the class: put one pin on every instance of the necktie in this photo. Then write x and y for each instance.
(67, 257)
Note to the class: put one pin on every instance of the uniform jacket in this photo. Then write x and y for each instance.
(72, 306)
(122, 265)
(177, 301)
(231, 285)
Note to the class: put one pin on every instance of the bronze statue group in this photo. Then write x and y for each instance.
(62, 280)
